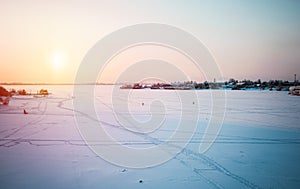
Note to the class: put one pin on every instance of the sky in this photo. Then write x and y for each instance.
(46, 41)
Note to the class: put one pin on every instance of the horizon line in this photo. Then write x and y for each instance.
(121, 83)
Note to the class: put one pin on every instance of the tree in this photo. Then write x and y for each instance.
(258, 81)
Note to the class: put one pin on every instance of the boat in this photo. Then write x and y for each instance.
(294, 90)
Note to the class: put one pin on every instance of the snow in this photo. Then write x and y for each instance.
(257, 147)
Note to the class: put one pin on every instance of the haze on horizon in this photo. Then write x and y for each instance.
(45, 41)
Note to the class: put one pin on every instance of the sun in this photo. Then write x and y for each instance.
(58, 60)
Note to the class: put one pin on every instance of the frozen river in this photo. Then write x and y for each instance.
(258, 145)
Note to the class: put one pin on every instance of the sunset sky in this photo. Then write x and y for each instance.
(45, 41)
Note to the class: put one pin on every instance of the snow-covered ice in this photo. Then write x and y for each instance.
(257, 147)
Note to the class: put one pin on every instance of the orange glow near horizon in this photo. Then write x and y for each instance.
(42, 67)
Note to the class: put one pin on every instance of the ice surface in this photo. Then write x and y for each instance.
(258, 146)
